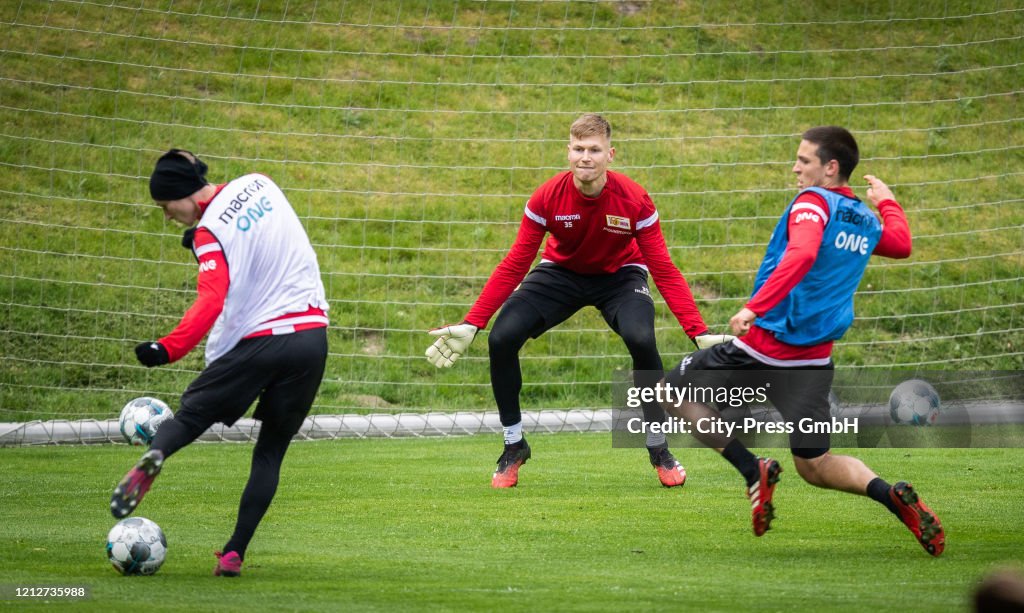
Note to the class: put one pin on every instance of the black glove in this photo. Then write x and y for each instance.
(187, 237)
(151, 354)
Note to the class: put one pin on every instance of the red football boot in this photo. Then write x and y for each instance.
(514, 456)
(760, 495)
(919, 518)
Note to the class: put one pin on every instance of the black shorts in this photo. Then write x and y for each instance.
(800, 394)
(283, 372)
(557, 292)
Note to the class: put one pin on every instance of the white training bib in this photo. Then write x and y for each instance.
(272, 267)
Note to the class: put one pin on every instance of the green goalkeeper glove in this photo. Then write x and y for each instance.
(452, 342)
(703, 341)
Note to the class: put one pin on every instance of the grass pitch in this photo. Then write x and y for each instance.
(413, 524)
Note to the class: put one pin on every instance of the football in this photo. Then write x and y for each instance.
(914, 402)
(136, 546)
(140, 419)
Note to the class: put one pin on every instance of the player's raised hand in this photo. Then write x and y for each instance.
(877, 190)
(451, 343)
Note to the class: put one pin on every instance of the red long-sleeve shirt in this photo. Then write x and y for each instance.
(590, 236)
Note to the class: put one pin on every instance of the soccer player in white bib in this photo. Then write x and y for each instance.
(604, 238)
(801, 304)
(262, 301)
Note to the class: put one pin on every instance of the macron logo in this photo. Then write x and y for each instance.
(807, 217)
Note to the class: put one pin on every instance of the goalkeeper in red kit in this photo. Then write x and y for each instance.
(604, 239)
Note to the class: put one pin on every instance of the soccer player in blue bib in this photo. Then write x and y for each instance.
(803, 302)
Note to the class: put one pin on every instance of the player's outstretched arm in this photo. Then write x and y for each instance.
(452, 342)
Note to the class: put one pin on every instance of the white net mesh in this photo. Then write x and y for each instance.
(409, 134)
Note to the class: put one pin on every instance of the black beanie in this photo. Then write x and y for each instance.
(176, 176)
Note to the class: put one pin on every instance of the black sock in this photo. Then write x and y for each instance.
(878, 490)
(744, 461)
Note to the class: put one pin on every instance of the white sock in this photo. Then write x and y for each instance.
(513, 434)
(656, 439)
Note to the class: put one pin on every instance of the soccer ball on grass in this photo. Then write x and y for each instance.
(136, 546)
(140, 419)
(914, 402)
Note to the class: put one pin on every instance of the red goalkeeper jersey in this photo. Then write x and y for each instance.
(590, 236)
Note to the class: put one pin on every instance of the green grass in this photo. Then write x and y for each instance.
(413, 524)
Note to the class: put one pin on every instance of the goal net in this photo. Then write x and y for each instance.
(408, 136)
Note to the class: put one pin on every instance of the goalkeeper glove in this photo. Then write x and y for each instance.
(703, 341)
(452, 342)
(152, 354)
